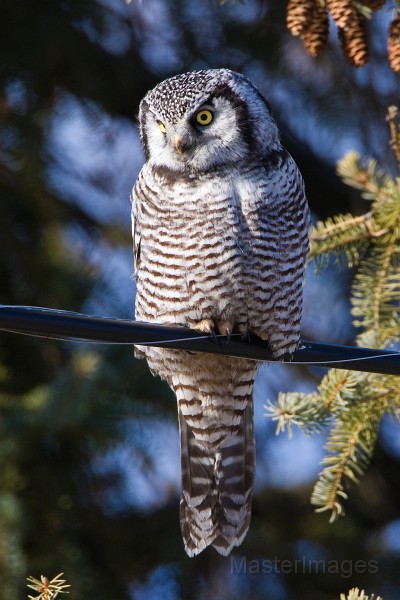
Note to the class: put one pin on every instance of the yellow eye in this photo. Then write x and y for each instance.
(162, 126)
(204, 117)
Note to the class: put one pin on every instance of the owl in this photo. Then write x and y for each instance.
(220, 229)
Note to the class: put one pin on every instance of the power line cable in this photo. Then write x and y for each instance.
(71, 326)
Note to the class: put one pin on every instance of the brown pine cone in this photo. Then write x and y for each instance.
(343, 12)
(394, 44)
(353, 40)
(299, 15)
(315, 36)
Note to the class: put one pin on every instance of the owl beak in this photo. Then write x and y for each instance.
(178, 143)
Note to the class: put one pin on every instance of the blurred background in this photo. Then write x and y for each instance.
(89, 450)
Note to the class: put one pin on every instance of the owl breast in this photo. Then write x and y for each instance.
(196, 244)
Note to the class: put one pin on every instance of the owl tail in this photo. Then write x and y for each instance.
(217, 487)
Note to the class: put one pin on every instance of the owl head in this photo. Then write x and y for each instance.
(203, 120)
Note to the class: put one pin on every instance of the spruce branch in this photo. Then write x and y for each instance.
(356, 594)
(355, 402)
(376, 291)
(362, 175)
(339, 389)
(342, 235)
(311, 412)
(393, 118)
(48, 590)
(349, 446)
(385, 391)
(351, 235)
(297, 409)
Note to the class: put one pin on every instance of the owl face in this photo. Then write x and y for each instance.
(202, 120)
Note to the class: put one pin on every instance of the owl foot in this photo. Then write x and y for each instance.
(261, 334)
(225, 328)
(220, 326)
(206, 326)
(244, 332)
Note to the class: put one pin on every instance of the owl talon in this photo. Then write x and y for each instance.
(206, 326)
(225, 328)
(214, 338)
(221, 327)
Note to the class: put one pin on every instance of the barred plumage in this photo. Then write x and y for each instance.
(220, 225)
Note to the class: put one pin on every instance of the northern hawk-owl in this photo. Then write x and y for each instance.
(220, 227)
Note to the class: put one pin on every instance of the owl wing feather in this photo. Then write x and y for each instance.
(136, 237)
(280, 254)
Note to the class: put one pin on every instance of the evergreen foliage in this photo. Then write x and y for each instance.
(355, 402)
(356, 594)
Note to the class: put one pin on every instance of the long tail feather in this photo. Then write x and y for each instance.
(217, 486)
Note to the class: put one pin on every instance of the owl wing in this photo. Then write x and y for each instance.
(285, 204)
(136, 237)
(136, 234)
(281, 250)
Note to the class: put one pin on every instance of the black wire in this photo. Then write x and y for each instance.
(59, 324)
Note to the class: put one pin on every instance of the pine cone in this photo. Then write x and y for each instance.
(315, 36)
(299, 15)
(343, 12)
(353, 40)
(394, 44)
